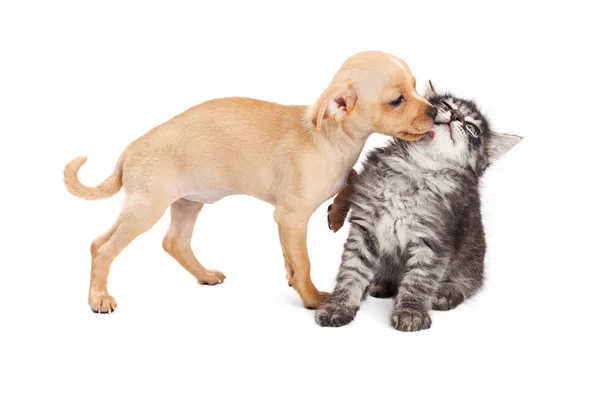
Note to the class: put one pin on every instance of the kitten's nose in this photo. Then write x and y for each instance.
(432, 112)
(454, 116)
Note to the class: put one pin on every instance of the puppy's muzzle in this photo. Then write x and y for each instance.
(432, 112)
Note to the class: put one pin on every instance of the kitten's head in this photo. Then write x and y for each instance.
(461, 134)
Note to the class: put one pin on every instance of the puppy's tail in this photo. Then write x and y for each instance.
(108, 188)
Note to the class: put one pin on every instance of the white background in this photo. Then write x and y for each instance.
(87, 78)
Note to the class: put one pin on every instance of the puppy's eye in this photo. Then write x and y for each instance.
(397, 102)
(472, 129)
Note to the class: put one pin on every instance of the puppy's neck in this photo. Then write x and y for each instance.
(333, 132)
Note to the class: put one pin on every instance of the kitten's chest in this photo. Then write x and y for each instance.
(417, 195)
(404, 207)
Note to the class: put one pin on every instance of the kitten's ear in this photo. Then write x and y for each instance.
(498, 144)
(429, 90)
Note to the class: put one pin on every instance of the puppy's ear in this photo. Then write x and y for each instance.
(498, 144)
(429, 90)
(336, 102)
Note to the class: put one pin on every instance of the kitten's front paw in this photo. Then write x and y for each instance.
(410, 320)
(447, 299)
(335, 314)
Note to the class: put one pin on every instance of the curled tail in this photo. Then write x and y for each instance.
(108, 188)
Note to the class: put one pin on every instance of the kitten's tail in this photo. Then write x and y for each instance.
(109, 187)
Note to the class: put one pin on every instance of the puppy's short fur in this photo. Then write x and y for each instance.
(293, 157)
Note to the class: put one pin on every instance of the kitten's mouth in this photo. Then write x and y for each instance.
(431, 134)
(438, 125)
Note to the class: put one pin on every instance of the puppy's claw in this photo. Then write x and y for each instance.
(213, 277)
(102, 303)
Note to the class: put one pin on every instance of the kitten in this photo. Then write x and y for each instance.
(415, 225)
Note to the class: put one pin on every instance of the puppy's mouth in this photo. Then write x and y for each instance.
(419, 129)
(410, 137)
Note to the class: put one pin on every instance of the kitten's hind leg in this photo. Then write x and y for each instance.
(465, 271)
(386, 281)
(383, 289)
(359, 262)
(457, 287)
(447, 297)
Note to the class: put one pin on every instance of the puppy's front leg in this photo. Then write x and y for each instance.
(338, 210)
(292, 233)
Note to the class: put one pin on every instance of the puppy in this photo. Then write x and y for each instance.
(293, 157)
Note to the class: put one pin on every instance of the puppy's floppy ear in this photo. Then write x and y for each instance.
(429, 90)
(498, 144)
(336, 102)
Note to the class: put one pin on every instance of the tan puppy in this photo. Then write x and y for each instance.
(293, 157)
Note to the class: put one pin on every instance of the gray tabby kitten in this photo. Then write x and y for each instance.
(415, 224)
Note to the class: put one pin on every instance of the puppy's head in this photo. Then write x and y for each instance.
(375, 92)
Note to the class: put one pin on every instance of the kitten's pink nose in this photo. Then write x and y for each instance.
(455, 116)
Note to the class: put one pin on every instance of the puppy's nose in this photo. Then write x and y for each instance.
(432, 112)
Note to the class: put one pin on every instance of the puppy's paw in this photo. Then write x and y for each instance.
(335, 219)
(213, 277)
(102, 303)
(316, 301)
(447, 298)
(383, 289)
(335, 314)
(409, 320)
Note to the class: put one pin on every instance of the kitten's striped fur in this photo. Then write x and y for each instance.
(415, 223)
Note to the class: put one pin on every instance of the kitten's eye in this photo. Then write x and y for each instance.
(397, 102)
(447, 105)
(472, 129)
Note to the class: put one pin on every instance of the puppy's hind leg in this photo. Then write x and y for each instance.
(139, 213)
(289, 271)
(179, 236)
(100, 240)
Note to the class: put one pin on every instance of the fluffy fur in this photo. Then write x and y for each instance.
(416, 231)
